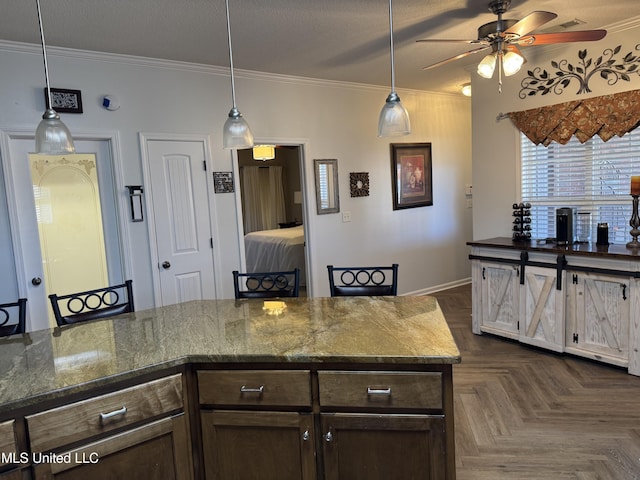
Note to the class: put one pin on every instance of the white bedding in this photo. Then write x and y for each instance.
(276, 250)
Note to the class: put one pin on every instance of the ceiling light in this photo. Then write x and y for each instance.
(236, 132)
(264, 152)
(394, 118)
(487, 65)
(52, 135)
(466, 89)
(511, 62)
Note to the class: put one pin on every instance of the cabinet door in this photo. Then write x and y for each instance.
(598, 311)
(157, 451)
(499, 293)
(383, 447)
(542, 310)
(250, 445)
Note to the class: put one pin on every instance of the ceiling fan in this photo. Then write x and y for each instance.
(504, 37)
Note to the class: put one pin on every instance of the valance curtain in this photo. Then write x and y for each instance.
(605, 116)
(263, 205)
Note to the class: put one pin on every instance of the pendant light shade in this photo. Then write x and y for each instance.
(394, 118)
(52, 135)
(236, 132)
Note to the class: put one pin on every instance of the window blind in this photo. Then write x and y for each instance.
(593, 177)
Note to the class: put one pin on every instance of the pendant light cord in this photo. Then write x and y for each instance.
(44, 56)
(233, 86)
(393, 73)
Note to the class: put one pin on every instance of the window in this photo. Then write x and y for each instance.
(593, 177)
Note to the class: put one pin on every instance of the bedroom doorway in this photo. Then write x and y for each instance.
(273, 211)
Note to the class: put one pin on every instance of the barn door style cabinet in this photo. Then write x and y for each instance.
(578, 299)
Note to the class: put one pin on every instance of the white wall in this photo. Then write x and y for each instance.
(334, 121)
(496, 144)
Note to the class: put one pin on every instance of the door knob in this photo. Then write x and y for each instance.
(35, 281)
(166, 265)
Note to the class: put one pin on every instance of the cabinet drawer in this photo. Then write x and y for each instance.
(8, 444)
(70, 423)
(255, 387)
(381, 389)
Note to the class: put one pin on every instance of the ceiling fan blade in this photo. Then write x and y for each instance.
(436, 40)
(530, 23)
(563, 37)
(457, 57)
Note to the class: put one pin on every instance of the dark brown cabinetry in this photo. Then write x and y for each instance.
(331, 424)
(138, 432)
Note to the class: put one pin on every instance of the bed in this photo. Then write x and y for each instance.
(276, 250)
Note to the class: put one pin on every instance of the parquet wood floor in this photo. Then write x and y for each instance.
(523, 413)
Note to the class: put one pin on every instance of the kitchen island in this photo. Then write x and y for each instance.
(320, 388)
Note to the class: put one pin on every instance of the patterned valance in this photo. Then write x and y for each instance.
(605, 116)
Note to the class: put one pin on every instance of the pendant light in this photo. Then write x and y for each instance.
(394, 118)
(52, 136)
(236, 132)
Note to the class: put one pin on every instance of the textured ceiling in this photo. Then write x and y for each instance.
(345, 40)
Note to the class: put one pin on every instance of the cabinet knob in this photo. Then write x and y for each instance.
(306, 435)
(328, 437)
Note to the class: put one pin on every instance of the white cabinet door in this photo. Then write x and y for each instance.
(542, 310)
(499, 298)
(597, 317)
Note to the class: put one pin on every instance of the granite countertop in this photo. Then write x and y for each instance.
(50, 364)
(617, 251)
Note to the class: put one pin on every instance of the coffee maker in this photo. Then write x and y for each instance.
(565, 225)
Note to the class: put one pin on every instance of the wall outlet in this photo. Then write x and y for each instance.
(346, 217)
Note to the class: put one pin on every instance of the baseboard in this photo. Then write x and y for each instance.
(438, 288)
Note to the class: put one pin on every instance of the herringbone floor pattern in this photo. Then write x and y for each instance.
(522, 413)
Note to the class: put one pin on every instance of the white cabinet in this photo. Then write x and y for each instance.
(564, 301)
(499, 290)
(597, 317)
(541, 309)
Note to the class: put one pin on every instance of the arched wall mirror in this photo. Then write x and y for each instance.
(327, 193)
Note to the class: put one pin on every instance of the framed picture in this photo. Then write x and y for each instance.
(64, 101)
(411, 175)
(359, 184)
(223, 182)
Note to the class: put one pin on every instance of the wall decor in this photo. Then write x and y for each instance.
(359, 184)
(64, 100)
(223, 182)
(412, 182)
(606, 66)
(327, 191)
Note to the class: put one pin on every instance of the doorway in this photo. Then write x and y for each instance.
(179, 223)
(64, 187)
(273, 212)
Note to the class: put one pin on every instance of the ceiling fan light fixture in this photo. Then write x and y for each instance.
(511, 62)
(52, 135)
(487, 65)
(394, 118)
(236, 132)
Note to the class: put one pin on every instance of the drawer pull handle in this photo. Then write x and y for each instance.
(245, 389)
(378, 391)
(116, 413)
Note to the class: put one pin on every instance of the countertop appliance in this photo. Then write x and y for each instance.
(565, 228)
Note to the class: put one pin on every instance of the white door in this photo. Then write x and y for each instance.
(61, 181)
(179, 223)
